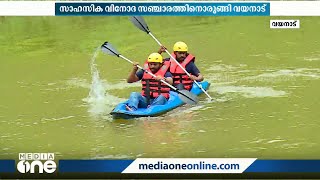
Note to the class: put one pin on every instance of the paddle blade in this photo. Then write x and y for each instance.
(139, 22)
(188, 97)
(109, 49)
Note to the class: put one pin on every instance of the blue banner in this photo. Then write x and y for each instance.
(162, 9)
(93, 165)
(259, 166)
(7, 166)
(105, 166)
(284, 166)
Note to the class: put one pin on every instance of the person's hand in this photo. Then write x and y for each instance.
(158, 78)
(135, 66)
(193, 77)
(162, 49)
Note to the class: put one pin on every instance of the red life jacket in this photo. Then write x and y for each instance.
(178, 75)
(156, 87)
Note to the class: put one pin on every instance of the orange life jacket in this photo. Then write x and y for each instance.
(178, 75)
(156, 87)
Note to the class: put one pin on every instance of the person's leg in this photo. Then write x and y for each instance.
(160, 100)
(133, 101)
(142, 102)
(136, 100)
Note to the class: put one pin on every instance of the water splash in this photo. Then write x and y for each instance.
(98, 100)
(96, 89)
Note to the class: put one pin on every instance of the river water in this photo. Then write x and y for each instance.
(57, 88)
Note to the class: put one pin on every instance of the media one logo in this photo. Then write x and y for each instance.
(29, 162)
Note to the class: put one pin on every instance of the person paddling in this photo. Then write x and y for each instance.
(153, 92)
(180, 79)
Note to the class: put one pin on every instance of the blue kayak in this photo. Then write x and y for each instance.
(174, 101)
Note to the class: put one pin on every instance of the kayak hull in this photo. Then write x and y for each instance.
(174, 101)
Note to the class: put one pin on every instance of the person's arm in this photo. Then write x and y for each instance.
(162, 49)
(133, 76)
(167, 77)
(192, 68)
(199, 77)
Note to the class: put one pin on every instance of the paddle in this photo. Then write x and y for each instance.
(139, 22)
(185, 95)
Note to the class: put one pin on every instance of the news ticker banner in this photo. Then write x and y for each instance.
(159, 8)
(167, 165)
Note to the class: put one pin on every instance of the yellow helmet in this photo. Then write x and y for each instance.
(180, 46)
(155, 57)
